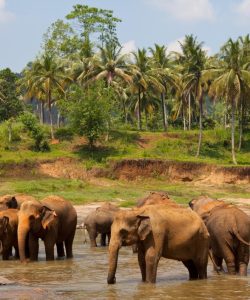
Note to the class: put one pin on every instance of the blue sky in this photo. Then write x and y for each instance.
(145, 22)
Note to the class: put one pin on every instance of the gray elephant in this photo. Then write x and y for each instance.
(8, 232)
(53, 220)
(160, 231)
(229, 229)
(100, 221)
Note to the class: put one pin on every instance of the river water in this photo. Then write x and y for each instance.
(84, 277)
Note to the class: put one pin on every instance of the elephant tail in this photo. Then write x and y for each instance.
(216, 268)
(235, 231)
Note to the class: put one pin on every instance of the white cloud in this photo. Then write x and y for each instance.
(243, 8)
(128, 47)
(187, 10)
(5, 16)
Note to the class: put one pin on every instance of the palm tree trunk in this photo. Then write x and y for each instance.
(189, 111)
(164, 117)
(233, 132)
(42, 112)
(241, 117)
(200, 127)
(50, 116)
(139, 110)
(124, 111)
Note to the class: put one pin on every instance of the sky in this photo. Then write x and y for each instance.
(144, 23)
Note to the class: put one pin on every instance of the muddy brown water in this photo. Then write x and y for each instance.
(84, 277)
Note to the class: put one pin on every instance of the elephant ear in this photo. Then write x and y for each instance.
(144, 228)
(48, 216)
(5, 223)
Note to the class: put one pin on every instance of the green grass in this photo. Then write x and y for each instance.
(123, 193)
(176, 145)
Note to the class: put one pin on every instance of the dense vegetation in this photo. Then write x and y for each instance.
(85, 85)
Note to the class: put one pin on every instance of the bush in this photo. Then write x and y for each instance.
(208, 123)
(36, 131)
(64, 134)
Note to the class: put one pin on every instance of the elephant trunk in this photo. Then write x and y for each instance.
(113, 259)
(22, 232)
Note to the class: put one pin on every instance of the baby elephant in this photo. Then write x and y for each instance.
(100, 221)
(8, 232)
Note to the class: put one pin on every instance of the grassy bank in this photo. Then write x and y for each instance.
(174, 145)
(123, 192)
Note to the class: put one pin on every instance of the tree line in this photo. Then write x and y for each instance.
(83, 72)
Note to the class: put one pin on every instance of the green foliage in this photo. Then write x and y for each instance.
(93, 20)
(208, 123)
(10, 105)
(90, 116)
(64, 134)
(36, 131)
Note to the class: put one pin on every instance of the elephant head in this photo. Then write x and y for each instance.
(35, 218)
(203, 205)
(128, 228)
(8, 201)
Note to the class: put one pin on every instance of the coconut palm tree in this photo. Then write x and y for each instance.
(193, 59)
(47, 74)
(230, 80)
(161, 67)
(109, 63)
(142, 79)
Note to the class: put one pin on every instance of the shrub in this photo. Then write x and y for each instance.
(64, 134)
(36, 131)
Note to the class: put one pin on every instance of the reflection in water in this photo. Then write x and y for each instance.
(84, 277)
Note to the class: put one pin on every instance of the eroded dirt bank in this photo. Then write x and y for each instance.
(130, 170)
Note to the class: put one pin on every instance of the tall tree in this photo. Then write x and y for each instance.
(48, 74)
(229, 82)
(143, 78)
(193, 60)
(161, 67)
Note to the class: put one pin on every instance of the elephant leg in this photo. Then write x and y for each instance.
(242, 259)
(152, 260)
(193, 274)
(69, 245)
(218, 261)
(109, 237)
(141, 261)
(92, 236)
(33, 247)
(103, 239)
(60, 250)
(49, 243)
(230, 262)
(6, 252)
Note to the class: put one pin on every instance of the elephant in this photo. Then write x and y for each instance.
(14, 201)
(100, 221)
(229, 229)
(8, 232)
(160, 231)
(53, 219)
(156, 198)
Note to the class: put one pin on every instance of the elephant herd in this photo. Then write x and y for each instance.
(157, 227)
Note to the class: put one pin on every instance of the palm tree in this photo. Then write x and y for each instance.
(109, 64)
(47, 74)
(143, 78)
(245, 53)
(193, 61)
(161, 67)
(230, 80)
